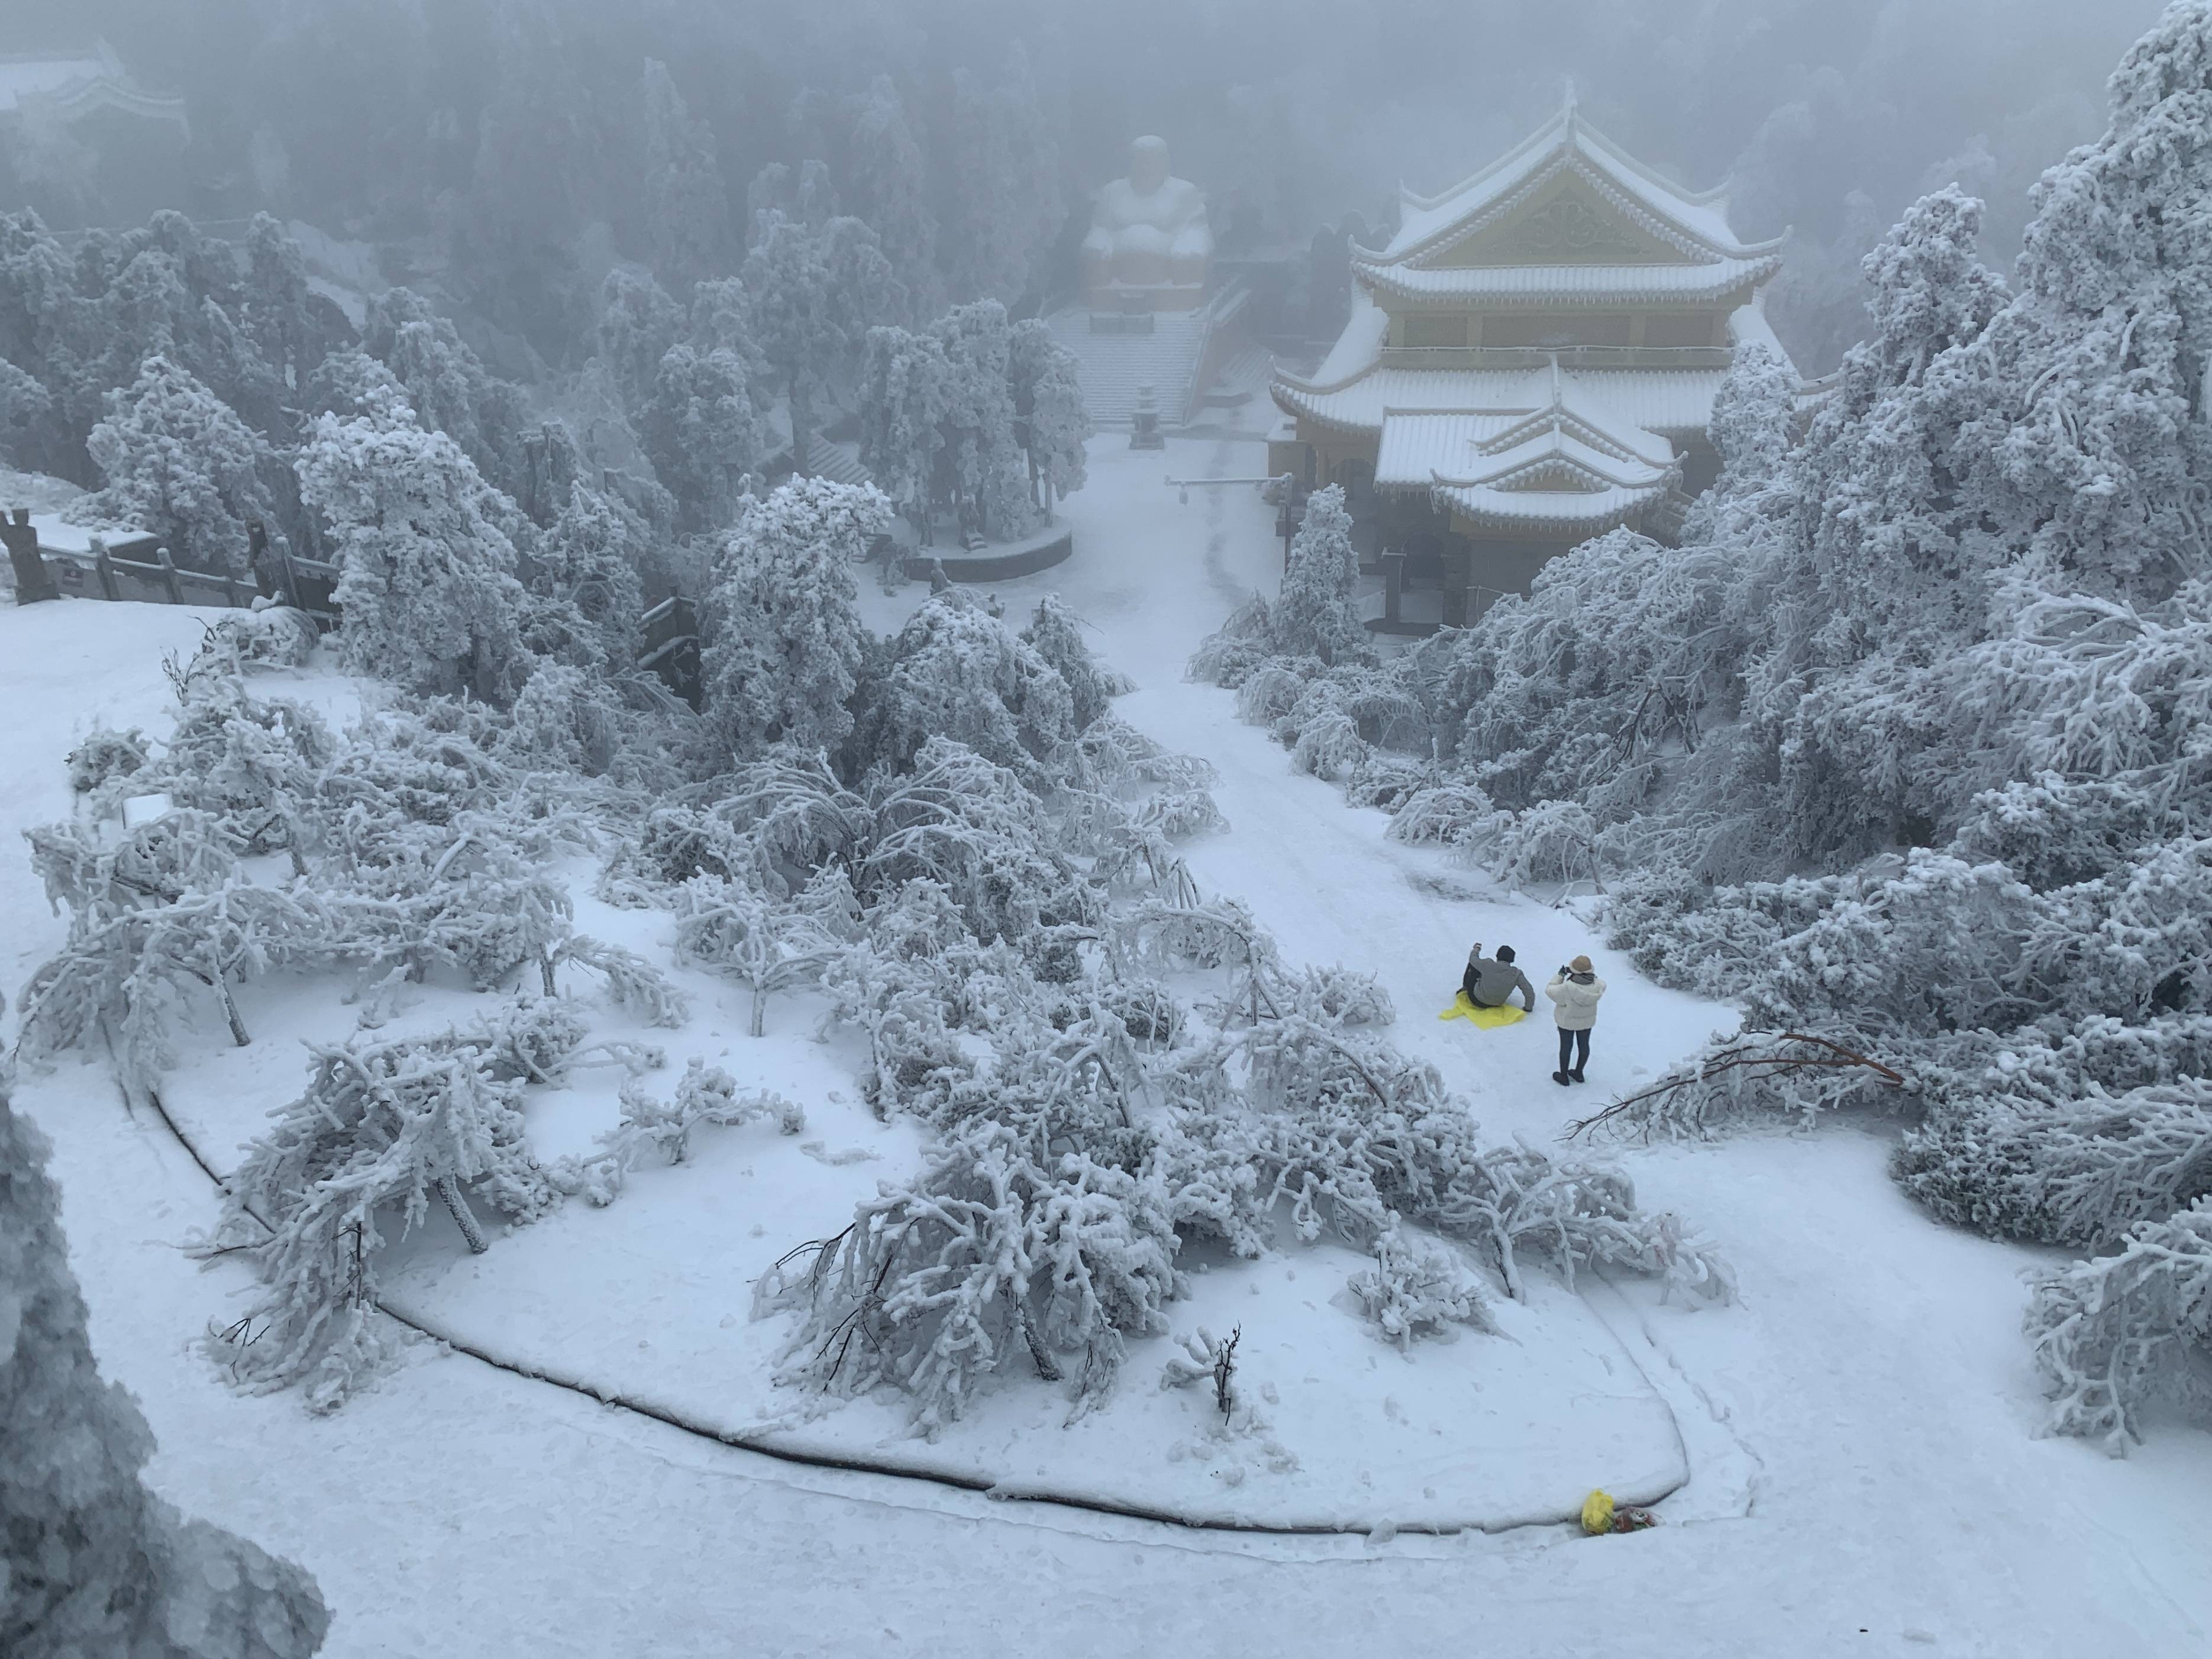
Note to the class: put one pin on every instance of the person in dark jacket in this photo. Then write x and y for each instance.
(1490, 983)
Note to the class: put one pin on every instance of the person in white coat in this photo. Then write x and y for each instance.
(1574, 992)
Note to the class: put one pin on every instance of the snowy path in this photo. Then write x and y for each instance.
(1872, 1400)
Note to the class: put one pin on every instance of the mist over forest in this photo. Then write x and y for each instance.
(510, 135)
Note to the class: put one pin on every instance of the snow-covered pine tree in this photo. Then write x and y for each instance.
(94, 1563)
(448, 383)
(957, 671)
(1049, 418)
(582, 574)
(181, 464)
(784, 643)
(701, 433)
(687, 205)
(888, 187)
(427, 584)
(983, 466)
(903, 397)
(638, 322)
(2097, 461)
(815, 294)
(1315, 615)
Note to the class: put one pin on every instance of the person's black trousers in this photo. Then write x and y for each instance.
(1575, 1043)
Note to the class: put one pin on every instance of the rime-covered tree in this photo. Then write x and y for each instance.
(638, 323)
(1315, 615)
(981, 471)
(815, 294)
(291, 325)
(957, 671)
(182, 464)
(95, 1563)
(1049, 418)
(701, 432)
(583, 574)
(427, 562)
(2098, 463)
(784, 643)
(451, 390)
(903, 400)
(28, 416)
(888, 186)
(687, 205)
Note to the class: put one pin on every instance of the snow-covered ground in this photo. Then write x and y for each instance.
(1857, 1436)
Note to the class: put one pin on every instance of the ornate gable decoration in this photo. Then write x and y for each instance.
(1567, 225)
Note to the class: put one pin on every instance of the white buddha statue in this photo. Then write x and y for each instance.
(1148, 234)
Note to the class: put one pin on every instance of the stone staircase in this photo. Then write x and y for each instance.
(1114, 366)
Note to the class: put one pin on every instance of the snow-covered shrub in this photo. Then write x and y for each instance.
(2117, 1335)
(385, 1124)
(1054, 634)
(991, 1253)
(94, 1563)
(704, 1094)
(632, 981)
(105, 756)
(1416, 1287)
(2074, 1176)
(1230, 656)
(766, 945)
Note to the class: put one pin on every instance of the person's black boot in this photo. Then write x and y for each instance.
(1561, 1078)
(1577, 1074)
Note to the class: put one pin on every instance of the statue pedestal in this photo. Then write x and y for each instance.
(1124, 298)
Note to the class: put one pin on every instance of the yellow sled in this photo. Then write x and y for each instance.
(1488, 1018)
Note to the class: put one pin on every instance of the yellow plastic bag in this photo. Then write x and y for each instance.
(1488, 1018)
(1597, 1513)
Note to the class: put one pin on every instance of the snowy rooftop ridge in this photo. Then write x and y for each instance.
(1556, 286)
(1693, 222)
(65, 85)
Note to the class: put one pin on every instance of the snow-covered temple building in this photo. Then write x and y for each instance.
(1531, 361)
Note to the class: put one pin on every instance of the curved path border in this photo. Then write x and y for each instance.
(998, 1491)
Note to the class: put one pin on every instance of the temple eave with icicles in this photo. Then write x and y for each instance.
(1531, 361)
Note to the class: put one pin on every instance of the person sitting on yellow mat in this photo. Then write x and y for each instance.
(1490, 982)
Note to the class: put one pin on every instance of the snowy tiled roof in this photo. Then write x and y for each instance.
(1693, 222)
(1359, 344)
(69, 84)
(1553, 510)
(1661, 400)
(1569, 285)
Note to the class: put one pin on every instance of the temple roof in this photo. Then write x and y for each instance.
(69, 83)
(1621, 400)
(1558, 286)
(1692, 223)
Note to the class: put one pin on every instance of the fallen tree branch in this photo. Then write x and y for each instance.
(1744, 1058)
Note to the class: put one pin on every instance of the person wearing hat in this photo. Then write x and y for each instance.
(1574, 992)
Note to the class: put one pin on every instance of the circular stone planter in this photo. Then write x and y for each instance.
(999, 561)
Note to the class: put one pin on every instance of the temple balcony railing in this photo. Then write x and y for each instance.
(1532, 357)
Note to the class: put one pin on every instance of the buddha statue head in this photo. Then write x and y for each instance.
(1148, 165)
